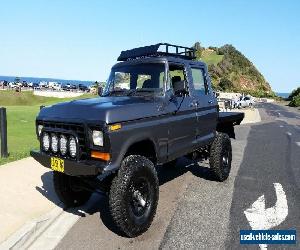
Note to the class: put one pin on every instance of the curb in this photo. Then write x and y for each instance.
(48, 230)
(30, 229)
(255, 119)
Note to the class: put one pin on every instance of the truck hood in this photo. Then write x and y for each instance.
(104, 109)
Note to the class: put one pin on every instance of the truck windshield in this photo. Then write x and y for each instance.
(137, 79)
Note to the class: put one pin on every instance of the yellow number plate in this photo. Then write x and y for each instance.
(57, 164)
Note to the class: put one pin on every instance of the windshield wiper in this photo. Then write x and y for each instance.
(134, 91)
(115, 92)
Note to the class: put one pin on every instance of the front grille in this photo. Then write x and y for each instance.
(69, 129)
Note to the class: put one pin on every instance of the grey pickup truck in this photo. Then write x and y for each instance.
(157, 105)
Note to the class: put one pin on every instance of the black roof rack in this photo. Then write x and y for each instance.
(160, 49)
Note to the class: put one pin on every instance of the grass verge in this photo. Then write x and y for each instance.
(22, 109)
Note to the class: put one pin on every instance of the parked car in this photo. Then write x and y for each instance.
(35, 85)
(64, 87)
(24, 84)
(114, 142)
(43, 84)
(3, 83)
(13, 85)
(51, 85)
(73, 86)
(56, 86)
(244, 101)
(83, 87)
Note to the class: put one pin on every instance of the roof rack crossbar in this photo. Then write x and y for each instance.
(160, 49)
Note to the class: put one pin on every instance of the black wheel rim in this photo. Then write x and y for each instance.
(140, 197)
(226, 161)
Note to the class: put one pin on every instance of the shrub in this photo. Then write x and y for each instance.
(294, 93)
(295, 102)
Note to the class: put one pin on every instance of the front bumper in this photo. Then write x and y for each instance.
(74, 168)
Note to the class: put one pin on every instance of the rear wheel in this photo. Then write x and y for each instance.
(69, 190)
(134, 195)
(221, 156)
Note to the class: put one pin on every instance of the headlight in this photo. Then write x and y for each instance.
(98, 138)
(39, 129)
(46, 141)
(54, 143)
(72, 146)
(63, 144)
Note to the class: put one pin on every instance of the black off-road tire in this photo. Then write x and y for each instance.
(221, 156)
(68, 190)
(135, 171)
(170, 164)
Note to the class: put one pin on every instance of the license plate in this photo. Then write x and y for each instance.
(57, 164)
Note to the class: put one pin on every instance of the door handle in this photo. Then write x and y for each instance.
(210, 101)
(194, 104)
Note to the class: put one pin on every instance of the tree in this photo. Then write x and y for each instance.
(197, 46)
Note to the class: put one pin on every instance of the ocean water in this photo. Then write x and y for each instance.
(39, 79)
(283, 95)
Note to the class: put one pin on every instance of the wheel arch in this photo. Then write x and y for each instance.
(140, 145)
(145, 147)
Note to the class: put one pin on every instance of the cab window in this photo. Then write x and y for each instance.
(200, 84)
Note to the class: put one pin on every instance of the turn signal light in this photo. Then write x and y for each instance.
(100, 155)
(114, 127)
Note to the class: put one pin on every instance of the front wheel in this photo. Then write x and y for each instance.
(134, 195)
(69, 190)
(221, 156)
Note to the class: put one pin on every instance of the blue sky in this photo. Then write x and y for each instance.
(78, 39)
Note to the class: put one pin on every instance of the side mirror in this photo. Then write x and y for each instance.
(179, 88)
(100, 90)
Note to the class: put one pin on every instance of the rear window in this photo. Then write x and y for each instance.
(199, 80)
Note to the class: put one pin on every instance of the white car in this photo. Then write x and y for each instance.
(12, 85)
(43, 84)
(56, 86)
(243, 102)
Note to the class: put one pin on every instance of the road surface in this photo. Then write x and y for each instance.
(196, 212)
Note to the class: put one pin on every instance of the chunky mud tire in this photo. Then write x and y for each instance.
(221, 156)
(134, 195)
(69, 191)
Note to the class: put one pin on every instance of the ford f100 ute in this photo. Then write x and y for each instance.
(157, 105)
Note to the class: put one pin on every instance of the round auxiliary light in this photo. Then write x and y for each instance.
(46, 141)
(72, 146)
(63, 144)
(54, 143)
(40, 128)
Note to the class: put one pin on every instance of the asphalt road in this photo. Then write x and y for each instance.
(196, 212)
